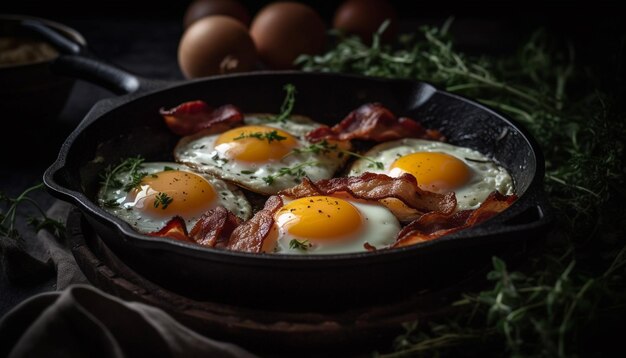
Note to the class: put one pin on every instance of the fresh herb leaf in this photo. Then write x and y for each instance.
(163, 200)
(167, 168)
(299, 245)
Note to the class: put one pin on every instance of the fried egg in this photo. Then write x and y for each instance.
(330, 225)
(441, 168)
(167, 190)
(263, 156)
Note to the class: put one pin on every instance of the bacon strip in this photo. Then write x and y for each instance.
(214, 227)
(250, 235)
(436, 224)
(374, 122)
(175, 229)
(373, 186)
(191, 117)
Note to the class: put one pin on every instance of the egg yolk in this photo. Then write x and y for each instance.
(320, 218)
(172, 192)
(434, 171)
(255, 144)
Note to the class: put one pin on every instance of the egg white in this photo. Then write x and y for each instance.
(228, 196)
(486, 175)
(198, 151)
(379, 229)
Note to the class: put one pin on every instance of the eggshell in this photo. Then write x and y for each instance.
(364, 17)
(216, 45)
(284, 30)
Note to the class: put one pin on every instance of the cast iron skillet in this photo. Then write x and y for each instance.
(131, 125)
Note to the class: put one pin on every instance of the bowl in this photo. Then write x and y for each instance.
(30, 90)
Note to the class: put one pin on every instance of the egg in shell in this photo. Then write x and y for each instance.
(330, 225)
(264, 155)
(440, 167)
(167, 190)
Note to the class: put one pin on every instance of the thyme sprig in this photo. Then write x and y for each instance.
(287, 106)
(297, 171)
(324, 147)
(546, 306)
(8, 218)
(110, 176)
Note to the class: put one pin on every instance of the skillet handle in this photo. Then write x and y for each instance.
(98, 72)
(76, 61)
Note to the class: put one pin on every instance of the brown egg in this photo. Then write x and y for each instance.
(364, 17)
(201, 8)
(284, 30)
(216, 45)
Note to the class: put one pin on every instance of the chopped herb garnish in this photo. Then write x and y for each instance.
(297, 171)
(247, 172)
(269, 136)
(167, 169)
(299, 245)
(324, 147)
(163, 200)
(216, 158)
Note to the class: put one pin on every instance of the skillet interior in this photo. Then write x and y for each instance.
(131, 125)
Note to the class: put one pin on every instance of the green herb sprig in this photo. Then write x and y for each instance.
(8, 218)
(287, 106)
(323, 147)
(296, 171)
(110, 176)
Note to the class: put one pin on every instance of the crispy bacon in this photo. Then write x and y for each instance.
(251, 235)
(436, 224)
(191, 117)
(175, 229)
(214, 227)
(372, 186)
(374, 122)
